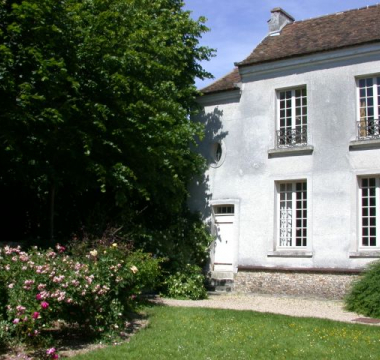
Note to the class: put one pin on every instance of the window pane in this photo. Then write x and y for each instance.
(368, 212)
(224, 209)
(293, 117)
(292, 216)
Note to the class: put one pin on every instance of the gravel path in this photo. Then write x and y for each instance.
(286, 305)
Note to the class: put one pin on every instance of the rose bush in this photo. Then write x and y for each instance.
(95, 291)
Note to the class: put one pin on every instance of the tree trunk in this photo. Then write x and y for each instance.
(51, 216)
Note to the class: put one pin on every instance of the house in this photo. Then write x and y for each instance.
(292, 139)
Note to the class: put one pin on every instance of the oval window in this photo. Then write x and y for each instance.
(218, 153)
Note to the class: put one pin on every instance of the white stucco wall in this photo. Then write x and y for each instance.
(248, 174)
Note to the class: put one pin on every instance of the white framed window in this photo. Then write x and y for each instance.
(292, 117)
(369, 215)
(292, 214)
(369, 107)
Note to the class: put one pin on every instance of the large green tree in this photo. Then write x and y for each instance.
(95, 101)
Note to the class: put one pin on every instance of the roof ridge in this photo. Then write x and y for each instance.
(336, 13)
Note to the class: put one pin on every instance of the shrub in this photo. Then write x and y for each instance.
(96, 291)
(187, 283)
(3, 298)
(364, 297)
(5, 333)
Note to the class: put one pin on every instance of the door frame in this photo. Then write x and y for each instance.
(235, 247)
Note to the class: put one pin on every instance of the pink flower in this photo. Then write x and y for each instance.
(58, 279)
(50, 351)
(16, 321)
(43, 295)
(41, 287)
(51, 254)
(28, 284)
(35, 315)
(44, 304)
(24, 257)
(38, 297)
(60, 248)
(20, 309)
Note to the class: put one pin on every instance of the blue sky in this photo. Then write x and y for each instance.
(238, 26)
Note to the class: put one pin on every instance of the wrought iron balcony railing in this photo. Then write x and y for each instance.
(368, 129)
(292, 137)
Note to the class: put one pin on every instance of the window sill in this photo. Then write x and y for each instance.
(364, 254)
(290, 253)
(364, 144)
(291, 151)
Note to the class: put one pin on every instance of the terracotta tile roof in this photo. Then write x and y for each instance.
(226, 83)
(330, 32)
(340, 30)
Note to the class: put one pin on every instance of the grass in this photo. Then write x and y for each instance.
(214, 334)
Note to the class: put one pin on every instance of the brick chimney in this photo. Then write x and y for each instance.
(279, 18)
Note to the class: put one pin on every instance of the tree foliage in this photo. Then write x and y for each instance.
(95, 99)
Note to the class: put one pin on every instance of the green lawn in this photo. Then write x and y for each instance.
(208, 334)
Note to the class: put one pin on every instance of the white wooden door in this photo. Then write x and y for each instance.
(224, 243)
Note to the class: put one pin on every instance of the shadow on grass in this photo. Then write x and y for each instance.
(71, 340)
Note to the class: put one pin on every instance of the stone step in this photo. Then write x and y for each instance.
(221, 281)
(227, 275)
